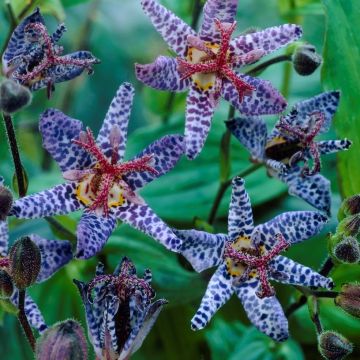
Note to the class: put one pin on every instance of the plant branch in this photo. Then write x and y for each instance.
(257, 69)
(326, 267)
(60, 228)
(24, 321)
(10, 132)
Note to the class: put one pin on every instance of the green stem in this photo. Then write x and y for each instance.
(24, 321)
(10, 132)
(60, 228)
(264, 65)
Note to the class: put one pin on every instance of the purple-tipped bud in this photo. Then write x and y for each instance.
(349, 299)
(350, 226)
(13, 96)
(25, 262)
(6, 285)
(333, 346)
(350, 206)
(6, 200)
(64, 340)
(347, 250)
(306, 60)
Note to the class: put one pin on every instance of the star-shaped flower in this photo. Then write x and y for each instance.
(247, 258)
(121, 314)
(206, 65)
(100, 181)
(54, 255)
(293, 140)
(34, 59)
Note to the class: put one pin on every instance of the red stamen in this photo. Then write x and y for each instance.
(220, 63)
(259, 262)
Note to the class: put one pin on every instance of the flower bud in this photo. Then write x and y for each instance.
(350, 226)
(347, 250)
(333, 346)
(6, 285)
(350, 206)
(306, 60)
(349, 299)
(64, 340)
(6, 200)
(13, 96)
(25, 262)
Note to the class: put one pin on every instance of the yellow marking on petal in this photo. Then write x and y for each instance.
(236, 268)
(116, 197)
(252, 274)
(84, 192)
(277, 140)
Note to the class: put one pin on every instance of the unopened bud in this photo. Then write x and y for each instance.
(6, 285)
(350, 206)
(6, 200)
(349, 299)
(350, 226)
(13, 96)
(25, 262)
(333, 346)
(306, 60)
(347, 250)
(64, 340)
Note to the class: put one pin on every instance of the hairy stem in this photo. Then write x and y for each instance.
(10, 132)
(24, 321)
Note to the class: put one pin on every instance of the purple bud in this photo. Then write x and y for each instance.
(25, 262)
(6, 285)
(64, 340)
(347, 250)
(350, 226)
(349, 299)
(306, 60)
(333, 346)
(350, 206)
(6, 200)
(13, 96)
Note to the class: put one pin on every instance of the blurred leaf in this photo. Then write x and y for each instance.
(53, 7)
(341, 71)
(7, 306)
(68, 3)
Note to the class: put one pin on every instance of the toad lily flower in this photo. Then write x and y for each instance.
(34, 59)
(54, 255)
(293, 140)
(121, 314)
(206, 65)
(99, 181)
(247, 258)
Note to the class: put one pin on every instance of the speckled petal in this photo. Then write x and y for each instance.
(264, 100)
(173, 30)
(223, 10)
(92, 233)
(266, 314)
(162, 74)
(288, 271)
(58, 200)
(117, 115)
(57, 131)
(295, 226)
(143, 218)
(54, 255)
(240, 220)
(167, 152)
(18, 44)
(32, 312)
(269, 40)
(326, 103)
(201, 249)
(252, 133)
(315, 189)
(138, 334)
(217, 294)
(199, 112)
(333, 146)
(4, 238)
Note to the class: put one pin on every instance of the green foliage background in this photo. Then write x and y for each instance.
(119, 34)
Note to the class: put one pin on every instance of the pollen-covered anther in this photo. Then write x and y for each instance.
(217, 59)
(258, 260)
(305, 136)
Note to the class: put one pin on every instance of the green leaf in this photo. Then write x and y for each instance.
(341, 71)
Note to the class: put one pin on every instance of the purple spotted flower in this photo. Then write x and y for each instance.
(247, 258)
(99, 181)
(54, 255)
(293, 140)
(206, 65)
(119, 310)
(34, 59)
